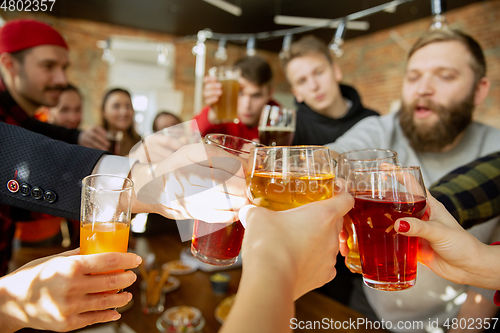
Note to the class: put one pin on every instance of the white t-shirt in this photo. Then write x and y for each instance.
(432, 297)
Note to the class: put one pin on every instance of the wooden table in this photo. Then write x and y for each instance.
(195, 290)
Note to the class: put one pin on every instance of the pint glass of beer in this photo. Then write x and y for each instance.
(277, 126)
(353, 160)
(381, 196)
(281, 178)
(115, 139)
(219, 244)
(227, 105)
(105, 214)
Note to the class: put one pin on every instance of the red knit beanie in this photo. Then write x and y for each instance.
(18, 35)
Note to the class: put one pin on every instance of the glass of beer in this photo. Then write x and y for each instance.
(277, 126)
(381, 196)
(360, 159)
(115, 139)
(281, 178)
(105, 214)
(219, 244)
(227, 105)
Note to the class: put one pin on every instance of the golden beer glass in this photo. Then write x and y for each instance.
(281, 178)
(227, 105)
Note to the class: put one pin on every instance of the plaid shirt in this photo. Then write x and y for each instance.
(471, 193)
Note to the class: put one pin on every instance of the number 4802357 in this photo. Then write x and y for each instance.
(471, 323)
(27, 5)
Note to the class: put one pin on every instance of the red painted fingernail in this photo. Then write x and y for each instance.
(404, 226)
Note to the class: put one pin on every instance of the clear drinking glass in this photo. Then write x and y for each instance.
(388, 259)
(105, 215)
(360, 159)
(219, 244)
(277, 126)
(115, 139)
(281, 178)
(227, 105)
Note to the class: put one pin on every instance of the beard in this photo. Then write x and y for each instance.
(452, 121)
(33, 95)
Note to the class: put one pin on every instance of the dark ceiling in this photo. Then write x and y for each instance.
(187, 17)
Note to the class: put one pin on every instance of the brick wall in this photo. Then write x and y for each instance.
(374, 64)
(89, 72)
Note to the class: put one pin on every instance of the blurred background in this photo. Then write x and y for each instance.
(147, 46)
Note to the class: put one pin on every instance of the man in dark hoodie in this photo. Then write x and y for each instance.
(325, 111)
(325, 108)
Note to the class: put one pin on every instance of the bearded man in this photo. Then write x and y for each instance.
(445, 79)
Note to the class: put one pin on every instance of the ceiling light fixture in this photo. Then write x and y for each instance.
(287, 41)
(226, 6)
(162, 56)
(107, 54)
(221, 53)
(317, 22)
(251, 47)
(438, 21)
(338, 39)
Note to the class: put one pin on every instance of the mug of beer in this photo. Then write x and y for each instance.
(281, 178)
(115, 139)
(219, 244)
(381, 196)
(277, 126)
(227, 105)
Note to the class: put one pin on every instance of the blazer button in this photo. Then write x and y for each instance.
(49, 196)
(36, 193)
(25, 189)
(13, 185)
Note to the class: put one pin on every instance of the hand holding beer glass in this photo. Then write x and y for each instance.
(277, 126)
(360, 159)
(219, 244)
(281, 178)
(388, 259)
(105, 214)
(226, 106)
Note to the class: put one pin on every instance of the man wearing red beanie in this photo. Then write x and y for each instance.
(33, 62)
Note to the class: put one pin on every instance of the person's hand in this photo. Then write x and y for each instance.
(212, 90)
(343, 237)
(59, 293)
(196, 182)
(94, 137)
(160, 145)
(341, 186)
(300, 244)
(450, 251)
